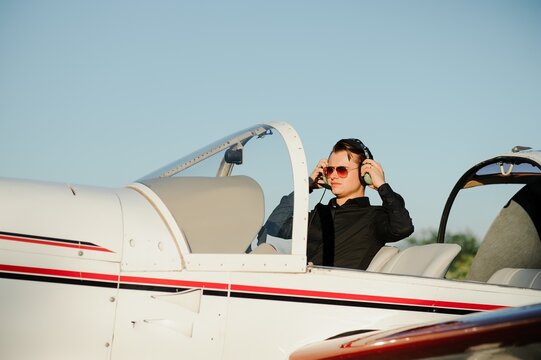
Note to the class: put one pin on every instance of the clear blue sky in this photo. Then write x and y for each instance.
(103, 92)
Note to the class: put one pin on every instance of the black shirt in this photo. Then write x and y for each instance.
(348, 235)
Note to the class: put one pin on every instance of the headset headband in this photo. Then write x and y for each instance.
(356, 143)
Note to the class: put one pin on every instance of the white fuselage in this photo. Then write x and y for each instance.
(94, 273)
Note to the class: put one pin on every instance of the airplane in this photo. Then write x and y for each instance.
(511, 333)
(160, 268)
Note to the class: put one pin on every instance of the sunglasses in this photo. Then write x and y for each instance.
(341, 171)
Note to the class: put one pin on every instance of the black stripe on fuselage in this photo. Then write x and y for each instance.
(104, 284)
(57, 280)
(140, 287)
(340, 302)
(74, 242)
(243, 295)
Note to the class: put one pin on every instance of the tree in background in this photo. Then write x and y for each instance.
(461, 265)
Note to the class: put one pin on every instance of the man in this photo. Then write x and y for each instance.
(348, 231)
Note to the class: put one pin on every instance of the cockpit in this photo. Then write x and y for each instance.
(220, 195)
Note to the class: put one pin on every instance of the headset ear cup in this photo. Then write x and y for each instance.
(367, 179)
(361, 177)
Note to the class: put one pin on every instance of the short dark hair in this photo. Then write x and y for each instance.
(353, 147)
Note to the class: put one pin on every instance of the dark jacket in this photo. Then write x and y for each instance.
(348, 235)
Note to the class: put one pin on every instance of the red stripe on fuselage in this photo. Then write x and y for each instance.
(115, 278)
(58, 273)
(126, 279)
(362, 297)
(170, 282)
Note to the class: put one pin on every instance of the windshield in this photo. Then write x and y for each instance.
(506, 221)
(505, 170)
(215, 150)
(502, 170)
(252, 163)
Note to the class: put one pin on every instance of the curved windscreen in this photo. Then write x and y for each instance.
(221, 194)
(505, 170)
(216, 150)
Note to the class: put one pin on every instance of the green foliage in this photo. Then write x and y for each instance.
(461, 265)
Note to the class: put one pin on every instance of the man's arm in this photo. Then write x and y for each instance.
(280, 221)
(398, 224)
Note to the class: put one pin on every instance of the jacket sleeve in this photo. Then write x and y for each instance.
(396, 223)
(280, 221)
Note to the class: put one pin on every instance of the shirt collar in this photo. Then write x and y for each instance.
(359, 202)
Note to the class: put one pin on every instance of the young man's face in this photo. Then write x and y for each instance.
(349, 186)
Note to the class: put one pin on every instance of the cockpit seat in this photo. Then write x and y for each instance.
(431, 260)
(524, 278)
(265, 248)
(216, 214)
(512, 240)
(381, 258)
